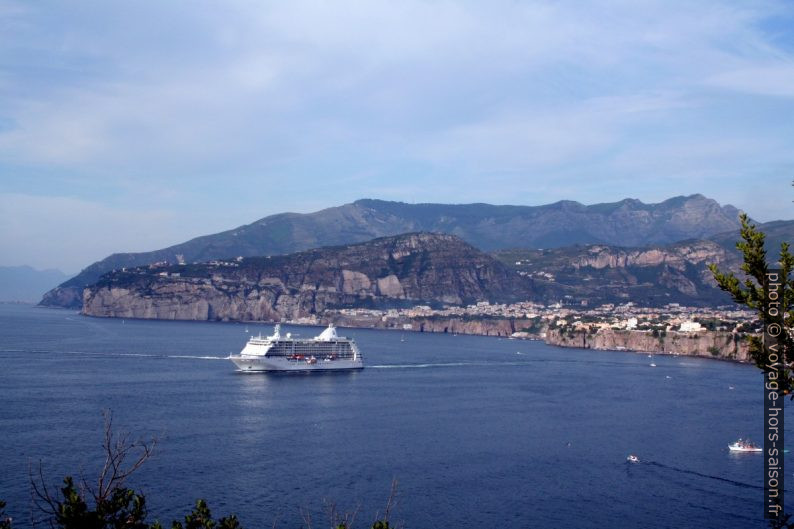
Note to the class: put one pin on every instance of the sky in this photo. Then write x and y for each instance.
(130, 126)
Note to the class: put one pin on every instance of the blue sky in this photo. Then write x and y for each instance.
(128, 126)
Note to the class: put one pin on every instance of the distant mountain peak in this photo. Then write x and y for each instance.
(27, 284)
(696, 198)
(488, 227)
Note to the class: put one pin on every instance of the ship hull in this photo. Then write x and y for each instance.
(744, 450)
(253, 364)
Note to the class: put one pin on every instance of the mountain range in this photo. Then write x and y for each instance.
(648, 276)
(26, 284)
(627, 223)
(387, 272)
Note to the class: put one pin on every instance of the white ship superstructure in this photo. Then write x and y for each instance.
(744, 446)
(328, 351)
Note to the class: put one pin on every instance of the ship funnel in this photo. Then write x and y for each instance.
(328, 334)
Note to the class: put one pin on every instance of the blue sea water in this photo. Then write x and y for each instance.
(480, 432)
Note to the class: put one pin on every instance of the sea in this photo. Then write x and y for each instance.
(476, 432)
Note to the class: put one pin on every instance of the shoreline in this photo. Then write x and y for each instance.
(711, 345)
(660, 353)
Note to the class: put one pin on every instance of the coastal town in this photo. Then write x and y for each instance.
(627, 316)
(718, 332)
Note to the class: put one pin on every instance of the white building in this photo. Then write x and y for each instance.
(690, 326)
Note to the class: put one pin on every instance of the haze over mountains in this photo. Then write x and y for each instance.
(26, 284)
(625, 223)
(403, 271)
(628, 223)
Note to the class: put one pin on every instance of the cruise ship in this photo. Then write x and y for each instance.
(328, 351)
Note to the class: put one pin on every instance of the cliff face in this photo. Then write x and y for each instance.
(392, 271)
(483, 327)
(67, 297)
(722, 345)
(647, 276)
(445, 325)
(676, 256)
(626, 223)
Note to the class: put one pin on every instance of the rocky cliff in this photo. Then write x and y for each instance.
(711, 344)
(626, 223)
(486, 326)
(649, 276)
(392, 271)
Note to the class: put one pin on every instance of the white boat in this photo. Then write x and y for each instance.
(653, 365)
(327, 351)
(633, 459)
(744, 446)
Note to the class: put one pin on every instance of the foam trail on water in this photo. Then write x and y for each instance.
(91, 353)
(200, 357)
(443, 364)
(418, 366)
(94, 353)
(699, 474)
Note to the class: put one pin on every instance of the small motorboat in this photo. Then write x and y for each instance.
(633, 459)
(653, 365)
(744, 446)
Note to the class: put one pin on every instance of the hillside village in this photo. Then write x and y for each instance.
(670, 318)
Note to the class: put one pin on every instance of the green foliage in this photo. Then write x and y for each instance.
(710, 324)
(125, 509)
(201, 518)
(108, 504)
(5, 521)
(536, 326)
(782, 522)
(379, 524)
(122, 508)
(750, 293)
(714, 350)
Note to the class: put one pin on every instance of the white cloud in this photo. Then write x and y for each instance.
(541, 138)
(225, 106)
(772, 80)
(252, 84)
